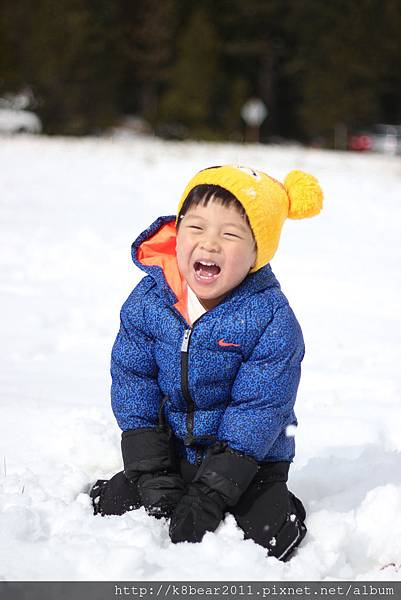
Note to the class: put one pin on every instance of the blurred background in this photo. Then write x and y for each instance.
(326, 74)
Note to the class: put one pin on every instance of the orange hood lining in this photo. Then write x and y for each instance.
(159, 250)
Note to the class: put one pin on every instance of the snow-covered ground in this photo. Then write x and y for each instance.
(69, 210)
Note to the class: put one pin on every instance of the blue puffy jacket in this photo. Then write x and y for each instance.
(233, 375)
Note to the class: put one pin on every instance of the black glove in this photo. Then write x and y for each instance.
(115, 496)
(160, 492)
(220, 481)
(149, 462)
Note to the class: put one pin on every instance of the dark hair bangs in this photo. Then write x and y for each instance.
(202, 194)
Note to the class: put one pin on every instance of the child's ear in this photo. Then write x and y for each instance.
(254, 260)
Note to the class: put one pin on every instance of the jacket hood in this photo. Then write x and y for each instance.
(154, 251)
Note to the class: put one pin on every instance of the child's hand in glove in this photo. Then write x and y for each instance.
(220, 481)
(160, 492)
(149, 464)
(200, 509)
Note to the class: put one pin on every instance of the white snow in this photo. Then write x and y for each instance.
(69, 210)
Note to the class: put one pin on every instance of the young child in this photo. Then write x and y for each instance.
(206, 365)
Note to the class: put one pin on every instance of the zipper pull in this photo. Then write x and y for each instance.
(185, 341)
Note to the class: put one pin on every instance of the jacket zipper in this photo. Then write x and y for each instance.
(184, 381)
(185, 387)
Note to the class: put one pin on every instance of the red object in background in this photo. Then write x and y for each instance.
(360, 142)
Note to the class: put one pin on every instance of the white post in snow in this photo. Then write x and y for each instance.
(254, 112)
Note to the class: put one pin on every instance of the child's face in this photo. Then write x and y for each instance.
(214, 234)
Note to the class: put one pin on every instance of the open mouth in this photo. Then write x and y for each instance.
(206, 271)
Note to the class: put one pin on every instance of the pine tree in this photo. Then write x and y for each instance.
(145, 42)
(193, 76)
(337, 62)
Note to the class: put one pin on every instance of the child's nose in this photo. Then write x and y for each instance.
(210, 243)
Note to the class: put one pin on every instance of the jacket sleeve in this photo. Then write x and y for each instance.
(265, 388)
(135, 393)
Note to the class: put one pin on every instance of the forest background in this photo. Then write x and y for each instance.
(187, 67)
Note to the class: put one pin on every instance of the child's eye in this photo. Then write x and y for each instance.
(194, 227)
(234, 235)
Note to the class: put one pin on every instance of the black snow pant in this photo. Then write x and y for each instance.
(267, 512)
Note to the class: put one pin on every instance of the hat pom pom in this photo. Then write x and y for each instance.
(305, 194)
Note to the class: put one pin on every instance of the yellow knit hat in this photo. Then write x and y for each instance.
(266, 201)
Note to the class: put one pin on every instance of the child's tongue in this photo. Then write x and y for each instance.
(206, 270)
